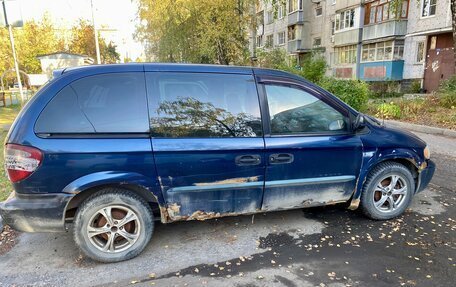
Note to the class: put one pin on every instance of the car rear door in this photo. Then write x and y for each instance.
(207, 140)
(312, 156)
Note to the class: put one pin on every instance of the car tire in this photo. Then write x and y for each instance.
(113, 225)
(387, 191)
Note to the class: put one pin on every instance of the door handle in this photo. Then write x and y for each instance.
(249, 159)
(281, 158)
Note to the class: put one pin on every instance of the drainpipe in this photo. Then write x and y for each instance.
(360, 40)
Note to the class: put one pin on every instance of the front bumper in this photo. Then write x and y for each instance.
(425, 176)
(35, 212)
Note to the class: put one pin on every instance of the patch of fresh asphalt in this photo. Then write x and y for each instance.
(326, 246)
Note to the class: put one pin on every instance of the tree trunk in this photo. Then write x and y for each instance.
(453, 16)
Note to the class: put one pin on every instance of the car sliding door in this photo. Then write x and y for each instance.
(208, 143)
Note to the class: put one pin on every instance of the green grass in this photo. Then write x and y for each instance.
(8, 114)
(5, 185)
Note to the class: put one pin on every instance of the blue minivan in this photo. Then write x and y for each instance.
(107, 150)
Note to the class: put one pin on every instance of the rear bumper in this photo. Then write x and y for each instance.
(425, 176)
(35, 212)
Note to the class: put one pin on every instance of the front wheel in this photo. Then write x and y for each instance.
(388, 191)
(113, 225)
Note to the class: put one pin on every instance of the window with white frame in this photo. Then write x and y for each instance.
(281, 11)
(333, 2)
(269, 41)
(281, 38)
(420, 52)
(318, 11)
(345, 20)
(259, 41)
(383, 51)
(428, 8)
(294, 5)
(270, 17)
(317, 42)
(345, 55)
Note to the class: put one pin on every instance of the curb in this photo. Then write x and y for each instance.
(422, 128)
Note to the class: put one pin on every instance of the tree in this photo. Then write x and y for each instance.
(33, 39)
(83, 42)
(198, 31)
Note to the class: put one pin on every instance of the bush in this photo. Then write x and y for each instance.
(388, 111)
(353, 92)
(313, 68)
(273, 59)
(385, 89)
(447, 93)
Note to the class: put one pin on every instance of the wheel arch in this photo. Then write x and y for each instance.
(406, 157)
(88, 185)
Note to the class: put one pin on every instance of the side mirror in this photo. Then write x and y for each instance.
(359, 122)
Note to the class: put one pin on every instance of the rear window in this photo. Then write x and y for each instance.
(107, 103)
(203, 105)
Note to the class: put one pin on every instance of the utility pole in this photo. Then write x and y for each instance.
(16, 64)
(97, 46)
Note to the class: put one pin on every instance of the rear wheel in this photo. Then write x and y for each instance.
(388, 191)
(113, 225)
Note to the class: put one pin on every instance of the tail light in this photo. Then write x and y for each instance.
(21, 161)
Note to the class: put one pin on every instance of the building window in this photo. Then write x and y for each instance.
(333, 2)
(345, 55)
(259, 41)
(318, 11)
(294, 5)
(270, 17)
(428, 8)
(317, 42)
(281, 38)
(379, 11)
(383, 51)
(333, 26)
(420, 52)
(269, 41)
(281, 11)
(345, 20)
(291, 33)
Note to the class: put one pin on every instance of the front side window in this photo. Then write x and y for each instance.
(429, 8)
(295, 111)
(107, 103)
(203, 105)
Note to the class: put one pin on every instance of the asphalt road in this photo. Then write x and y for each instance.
(327, 246)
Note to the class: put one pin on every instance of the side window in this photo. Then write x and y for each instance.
(203, 105)
(295, 111)
(107, 103)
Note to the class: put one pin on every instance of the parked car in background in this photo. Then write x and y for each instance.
(110, 149)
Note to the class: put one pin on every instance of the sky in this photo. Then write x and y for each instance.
(116, 19)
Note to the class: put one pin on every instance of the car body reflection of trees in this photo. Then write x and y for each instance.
(314, 117)
(188, 117)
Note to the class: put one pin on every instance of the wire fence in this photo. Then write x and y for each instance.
(13, 97)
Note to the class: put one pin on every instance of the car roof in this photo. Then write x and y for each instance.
(172, 67)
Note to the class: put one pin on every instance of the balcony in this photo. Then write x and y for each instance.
(297, 17)
(348, 37)
(382, 70)
(344, 4)
(294, 46)
(385, 29)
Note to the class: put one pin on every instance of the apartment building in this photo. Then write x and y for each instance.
(365, 39)
(429, 43)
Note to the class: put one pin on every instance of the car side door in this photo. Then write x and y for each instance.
(207, 140)
(313, 157)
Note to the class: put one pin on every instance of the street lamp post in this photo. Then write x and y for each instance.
(97, 45)
(16, 64)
